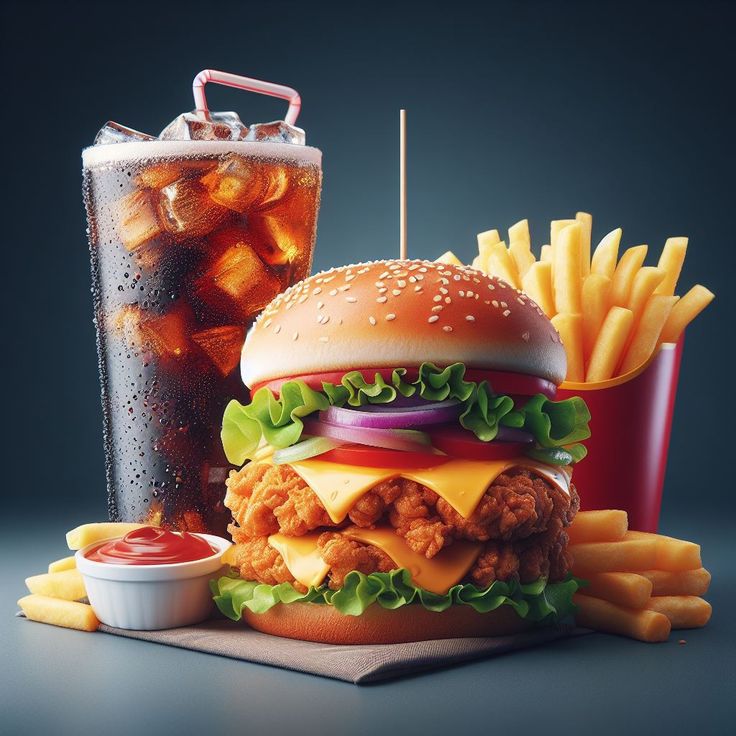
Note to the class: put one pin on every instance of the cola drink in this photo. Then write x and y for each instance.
(189, 239)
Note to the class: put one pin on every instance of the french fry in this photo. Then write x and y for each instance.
(594, 300)
(570, 327)
(606, 254)
(566, 270)
(86, 534)
(69, 614)
(645, 282)
(683, 611)
(622, 588)
(555, 228)
(486, 240)
(685, 311)
(501, 265)
(684, 582)
(646, 334)
(607, 525)
(519, 232)
(644, 625)
(479, 263)
(449, 257)
(623, 276)
(586, 231)
(522, 256)
(537, 283)
(67, 584)
(672, 554)
(609, 346)
(65, 563)
(627, 555)
(670, 261)
(545, 254)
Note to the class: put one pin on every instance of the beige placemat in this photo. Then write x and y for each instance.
(356, 664)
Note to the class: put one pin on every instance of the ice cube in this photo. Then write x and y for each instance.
(239, 275)
(205, 126)
(115, 133)
(188, 211)
(276, 132)
(243, 185)
(165, 336)
(138, 220)
(222, 345)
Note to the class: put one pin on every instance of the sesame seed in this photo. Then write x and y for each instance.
(447, 328)
(382, 299)
(437, 298)
(320, 305)
(333, 292)
(401, 283)
(324, 338)
(379, 284)
(433, 318)
(504, 305)
(495, 303)
(349, 277)
(277, 329)
(461, 292)
(491, 286)
(390, 317)
(485, 301)
(295, 336)
(325, 319)
(418, 289)
(457, 277)
(448, 300)
(520, 300)
(316, 291)
(382, 290)
(345, 287)
(302, 299)
(419, 277)
(445, 281)
(443, 290)
(470, 318)
(412, 279)
(422, 270)
(351, 299)
(506, 312)
(468, 293)
(525, 336)
(437, 308)
(267, 323)
(372, 320)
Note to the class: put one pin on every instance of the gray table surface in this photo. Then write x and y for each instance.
(57, 681)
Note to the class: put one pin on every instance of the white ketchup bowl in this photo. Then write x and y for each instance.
(150, 597)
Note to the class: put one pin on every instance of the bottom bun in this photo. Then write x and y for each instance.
(325, 624)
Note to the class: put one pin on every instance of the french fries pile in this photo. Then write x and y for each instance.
(612, 313)
(56, 596)
(639, 585)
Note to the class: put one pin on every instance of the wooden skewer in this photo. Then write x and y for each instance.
(402, 185)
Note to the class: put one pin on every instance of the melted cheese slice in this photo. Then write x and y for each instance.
(438, 575)
(461, 483)
(301, 557)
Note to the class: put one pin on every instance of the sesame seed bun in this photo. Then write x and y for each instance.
(399, 314)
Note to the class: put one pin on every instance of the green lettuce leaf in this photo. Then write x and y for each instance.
(277, 421)
(540, 602)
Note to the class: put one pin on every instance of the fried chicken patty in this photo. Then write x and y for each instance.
(541, 555)
(265, 499)
(521, 520)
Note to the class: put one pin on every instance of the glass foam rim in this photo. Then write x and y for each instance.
(112, 153)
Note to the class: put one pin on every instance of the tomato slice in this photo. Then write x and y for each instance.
(375, 457)
(465, 445)
(502, 382)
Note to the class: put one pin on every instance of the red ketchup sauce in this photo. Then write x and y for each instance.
(152, 546)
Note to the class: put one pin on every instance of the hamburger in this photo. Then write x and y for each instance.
(405, 472)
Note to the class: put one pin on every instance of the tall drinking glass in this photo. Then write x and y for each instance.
(189, 239)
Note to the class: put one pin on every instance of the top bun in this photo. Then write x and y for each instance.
(399, 314)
